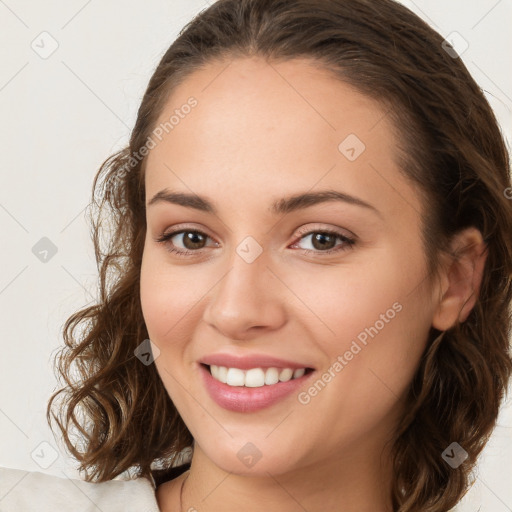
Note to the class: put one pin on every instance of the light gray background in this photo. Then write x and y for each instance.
(61, 116)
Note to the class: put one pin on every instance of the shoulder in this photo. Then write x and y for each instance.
(22, 491)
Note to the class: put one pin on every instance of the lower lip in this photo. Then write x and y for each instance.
(243, 399)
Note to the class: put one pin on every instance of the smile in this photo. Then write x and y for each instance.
(254, 377)
(252, 389)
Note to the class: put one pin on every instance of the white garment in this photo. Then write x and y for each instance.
(27, 491)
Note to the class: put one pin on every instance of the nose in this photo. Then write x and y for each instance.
(247, 301)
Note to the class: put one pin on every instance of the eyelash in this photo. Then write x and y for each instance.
(348, 242)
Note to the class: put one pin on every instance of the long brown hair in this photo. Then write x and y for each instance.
(115, 413)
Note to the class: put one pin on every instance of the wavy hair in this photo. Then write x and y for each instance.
(115, 414)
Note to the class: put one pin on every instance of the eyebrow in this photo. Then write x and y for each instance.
(282, 206)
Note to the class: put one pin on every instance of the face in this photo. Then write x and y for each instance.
(247, 276)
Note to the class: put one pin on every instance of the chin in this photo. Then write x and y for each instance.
(246, 458)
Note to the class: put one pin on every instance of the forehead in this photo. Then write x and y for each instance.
(272, 127)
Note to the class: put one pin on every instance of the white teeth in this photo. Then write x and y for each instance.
(215, 371)
(255, 377)
(299, 373)
(271, 376)
(286, 374)
(222, 374)
(235, 377)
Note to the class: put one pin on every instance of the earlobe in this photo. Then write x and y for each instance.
(462, 278)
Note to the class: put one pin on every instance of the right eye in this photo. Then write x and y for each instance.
(192, 241)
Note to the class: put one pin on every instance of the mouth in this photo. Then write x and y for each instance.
(254, 377)
(252, 389)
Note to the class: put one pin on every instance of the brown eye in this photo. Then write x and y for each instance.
(192, 239)
(325, 242)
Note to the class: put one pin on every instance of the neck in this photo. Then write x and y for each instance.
(349, 483)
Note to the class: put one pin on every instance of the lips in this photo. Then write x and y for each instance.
(245, 399)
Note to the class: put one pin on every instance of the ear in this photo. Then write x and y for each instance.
(461, 279)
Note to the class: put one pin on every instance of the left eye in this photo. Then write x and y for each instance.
(194, 241)
(325, 241)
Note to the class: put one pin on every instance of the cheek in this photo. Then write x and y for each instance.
(167, 301)
(169, 298)
(375, 315)
(375, 293)
(379, 317)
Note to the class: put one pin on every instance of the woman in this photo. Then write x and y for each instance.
(308, 280)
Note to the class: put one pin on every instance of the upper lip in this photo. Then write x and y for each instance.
(250, 361)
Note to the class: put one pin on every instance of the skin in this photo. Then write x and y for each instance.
(260, 132)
